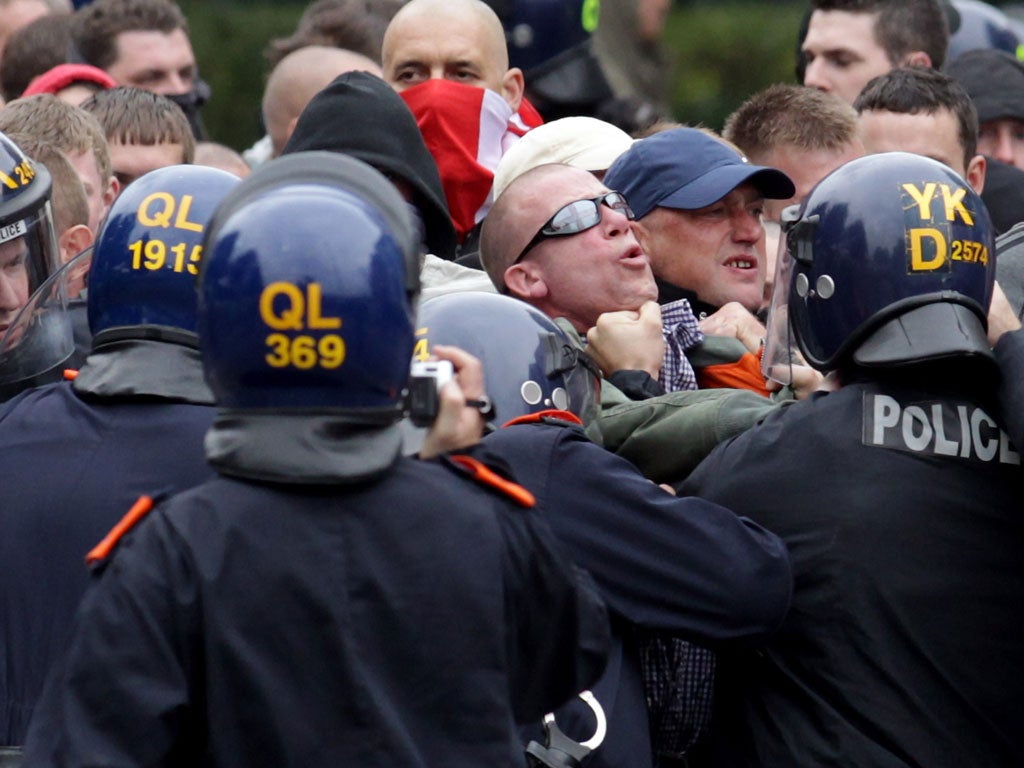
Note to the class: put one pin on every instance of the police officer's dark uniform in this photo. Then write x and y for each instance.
(683, 567)
(323, 600)
(75, 455)
(898, 495)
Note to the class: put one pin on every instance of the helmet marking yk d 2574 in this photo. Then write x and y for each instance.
(893, 262)
(308, 290)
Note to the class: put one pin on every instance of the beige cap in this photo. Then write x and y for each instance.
(582, 142)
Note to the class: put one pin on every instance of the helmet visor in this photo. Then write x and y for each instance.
(780, 348)
(35, 331)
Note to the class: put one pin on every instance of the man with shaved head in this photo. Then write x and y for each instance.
(458, 40)
(297, 78)
(449, 62)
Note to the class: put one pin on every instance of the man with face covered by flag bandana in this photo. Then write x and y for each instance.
(449, 62)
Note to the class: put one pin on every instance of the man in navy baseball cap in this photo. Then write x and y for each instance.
(698, 204)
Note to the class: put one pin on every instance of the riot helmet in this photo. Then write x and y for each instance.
(977, 25)
(550, 40)
(35, 334)
(308, 291)
(142, 283)
(891, 261)
(530, 365)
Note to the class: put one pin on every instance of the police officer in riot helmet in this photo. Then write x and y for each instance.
(551, 42)
(322, 600)
(663, 564)
(35, 335)
(898, 493)
(76, 455)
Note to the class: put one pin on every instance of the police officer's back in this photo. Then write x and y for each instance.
(74, 456)
(679, 567)
(898, 495)
(323, 600)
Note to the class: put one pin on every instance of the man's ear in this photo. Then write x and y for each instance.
(976, 173)
(525, 281)
(110, 194)
(512, 86)
(73, 241)
(917, 59)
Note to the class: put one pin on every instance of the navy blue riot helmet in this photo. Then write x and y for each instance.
(308, 290)
(142, 283)
(892, 262)
(550, 40)
(977, 25)
(529, 363)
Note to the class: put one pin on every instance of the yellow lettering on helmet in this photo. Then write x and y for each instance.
(954, 203)
(923, 198)
(290, 318)
(162, 217)
(918, 262)
(181, 220)
(314, 302)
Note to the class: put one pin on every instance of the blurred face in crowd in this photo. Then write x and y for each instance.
(129, 161)
(15, 14)
(1003, 139)
(935, 135)
(805, 168)
(580, 276)
(13, 280)
(155, 61)
(714, 251)
(842, 53)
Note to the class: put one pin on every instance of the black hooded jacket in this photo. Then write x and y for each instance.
(360, 115)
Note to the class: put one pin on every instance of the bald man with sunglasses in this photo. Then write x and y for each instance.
(561, 240)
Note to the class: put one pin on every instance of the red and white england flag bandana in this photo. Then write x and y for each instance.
(467, 129)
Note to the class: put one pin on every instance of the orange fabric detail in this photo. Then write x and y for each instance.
(138, 511)
(70, 374)
(744, 373)
(551, 413)
(486, 476)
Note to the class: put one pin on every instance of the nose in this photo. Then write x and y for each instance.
(1004, 145)
(614, 222)
(10, 298)
(814, 75)
(746, 226)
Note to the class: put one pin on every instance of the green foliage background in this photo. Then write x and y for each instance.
(721, 52)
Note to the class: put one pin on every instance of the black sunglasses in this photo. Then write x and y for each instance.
(577, 216)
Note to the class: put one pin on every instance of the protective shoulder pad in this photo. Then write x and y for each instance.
(550, 416)
(484, 475)
(139, 510)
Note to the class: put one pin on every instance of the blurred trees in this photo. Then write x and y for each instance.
(721, 52)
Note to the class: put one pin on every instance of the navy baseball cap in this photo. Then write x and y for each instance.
(687, 168)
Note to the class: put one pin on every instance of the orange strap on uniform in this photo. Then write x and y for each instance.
(536, 418)
(138, 511)
(486, 476)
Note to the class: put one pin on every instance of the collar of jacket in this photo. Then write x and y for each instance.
(300, 448)
(144, 368)
(668, 292)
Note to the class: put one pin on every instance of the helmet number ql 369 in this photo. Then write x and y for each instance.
(287, 307)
